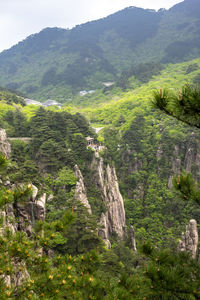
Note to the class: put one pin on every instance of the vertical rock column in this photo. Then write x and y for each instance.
(113, 221)
(80, 190)
(189, 239)
(4, 145)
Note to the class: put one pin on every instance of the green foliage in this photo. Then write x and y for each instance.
(144, 150)
(191, 68)
(18, 121)
(142, 72)
(65, 178)
(58, 63)
(184, 107)
(3, 161)
(187, 188)
(139, 141)
(172, 275)
(11, 97)
(197, 79)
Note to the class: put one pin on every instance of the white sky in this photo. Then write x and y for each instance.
(20, 18)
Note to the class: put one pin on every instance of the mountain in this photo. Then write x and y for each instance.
(56, 63)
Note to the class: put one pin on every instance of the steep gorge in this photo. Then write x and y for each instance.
(104, 179)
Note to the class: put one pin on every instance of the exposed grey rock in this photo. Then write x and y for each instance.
(31, 211)
(34, 192)
(27, 213)
(133, 165)
(4, 145)
(20, 274)
(133, 241)
(40, 205)
(8, 219)
(7, 182)
(106, 180)
(103, 230)
(50, 198)
(189, 239)
(21, 219)
(80, 190)
(176, 165)
(189, 158)
(191, 152)
(159, 153)
(197, 161)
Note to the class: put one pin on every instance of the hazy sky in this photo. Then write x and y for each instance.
(20, 18)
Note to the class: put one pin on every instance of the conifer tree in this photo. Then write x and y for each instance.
(184, 106)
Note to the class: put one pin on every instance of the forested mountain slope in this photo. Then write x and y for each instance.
(56, 62)
(146, 148)
(64, 255)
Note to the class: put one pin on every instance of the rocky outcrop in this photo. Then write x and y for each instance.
(20, 273)
(103, 230)
(133, 241)
(31, 211)
(4, 144)
(191, 152)
(8, 219)
(176, 165)
(21, 218)
(80, 190)
(189, 239)
(113, 221)
(19, 276)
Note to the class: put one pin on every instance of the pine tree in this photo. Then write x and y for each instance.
(184, 106)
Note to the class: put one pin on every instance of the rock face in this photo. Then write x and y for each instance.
(31, 211)
(103, 231)
(189, 239)
(113, 221)
(4, 145)
(20, 274)
(8, 219)
(176, 165)
(133, 241)
(80, 191)
(22, 218)
(25, 214)
(191, 152)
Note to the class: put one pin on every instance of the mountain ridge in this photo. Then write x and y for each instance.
(60, 62)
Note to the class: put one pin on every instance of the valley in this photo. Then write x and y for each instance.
(100, 159)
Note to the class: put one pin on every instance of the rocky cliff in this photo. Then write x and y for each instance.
(80, 190)
(17, 217)
(105, 179)
(185, 156)
(189, 239)
(4, 144)
(113, 220)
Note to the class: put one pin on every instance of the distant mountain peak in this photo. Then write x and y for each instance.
(57, 63)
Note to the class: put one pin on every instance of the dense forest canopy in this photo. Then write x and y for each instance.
(142, 121)
(58, 63)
